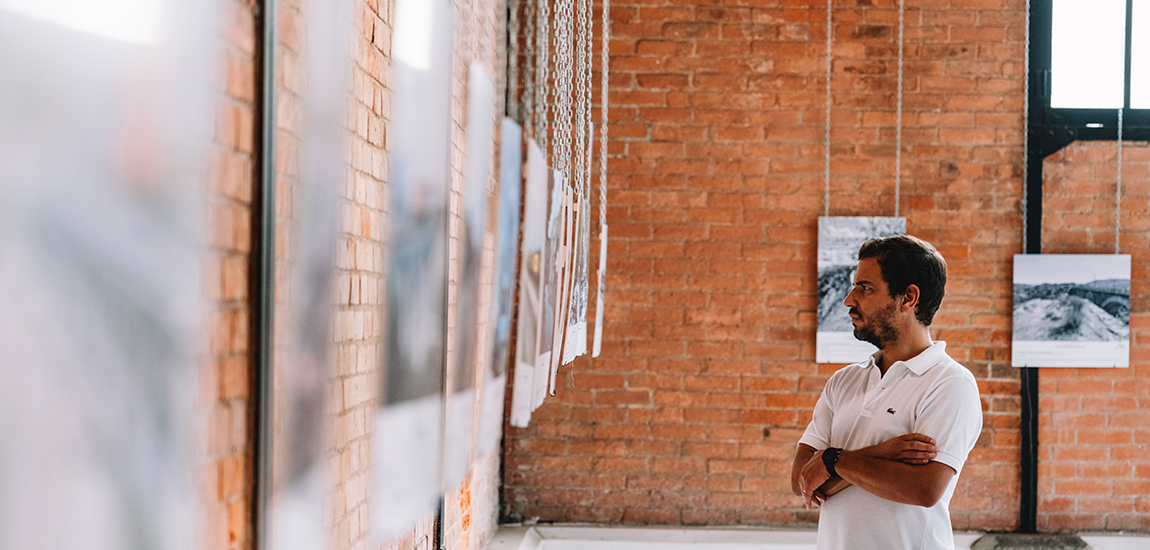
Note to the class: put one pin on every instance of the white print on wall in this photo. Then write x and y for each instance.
(577, 320)
(473, 226)
(528, 337)
(499, 328)
(1071, 310)
(406, 450)
(300, 477)
(839, 242)
(102, 299)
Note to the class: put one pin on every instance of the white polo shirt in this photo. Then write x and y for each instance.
(929, 394)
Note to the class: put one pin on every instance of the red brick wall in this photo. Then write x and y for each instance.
(1094, 465)
(226, 474)
(707, 377)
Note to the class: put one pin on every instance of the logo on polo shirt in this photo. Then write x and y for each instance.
(890, 411)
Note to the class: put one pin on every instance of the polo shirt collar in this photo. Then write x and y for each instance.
(918, 364)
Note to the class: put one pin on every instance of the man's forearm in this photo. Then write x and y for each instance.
(920, 485)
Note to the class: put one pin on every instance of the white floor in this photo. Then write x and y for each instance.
(584, 537)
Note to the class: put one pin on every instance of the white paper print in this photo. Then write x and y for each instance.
(507, 239)
(598, 345)
(839, 242)
(473, 224)
(580, 290)
(530, 287)
(1071, 310)
(105, 125)
(407, 440)
(405, 449)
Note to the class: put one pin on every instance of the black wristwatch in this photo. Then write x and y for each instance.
(830, 457)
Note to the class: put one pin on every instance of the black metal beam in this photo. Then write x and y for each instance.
(263, 278)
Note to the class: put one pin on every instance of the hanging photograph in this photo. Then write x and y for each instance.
(552, 263)
(563, 301)
(839, 242)
(406, 447)
(104, 290)
(499, 326)
(473, 226)
(530, 331)
(1071, 310)
(300, 476)
(576, 340)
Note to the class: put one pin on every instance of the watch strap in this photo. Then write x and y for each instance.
(830, 457)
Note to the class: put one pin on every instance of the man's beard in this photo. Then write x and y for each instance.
(878, 330)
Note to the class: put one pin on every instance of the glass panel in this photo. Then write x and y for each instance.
(1088, 53)
(1140, 56)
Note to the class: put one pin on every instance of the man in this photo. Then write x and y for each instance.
(889, 435)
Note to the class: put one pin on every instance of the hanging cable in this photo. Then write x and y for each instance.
(1118, 197)
(898, 112)
(529, 71)
(513, 98)
(542, 69)
(827, 121)
(1025, 126)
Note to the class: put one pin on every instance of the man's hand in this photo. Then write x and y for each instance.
(908, 449)
(812, 476)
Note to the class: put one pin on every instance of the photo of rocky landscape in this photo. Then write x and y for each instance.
(839, 242)
(1070, 308)
(1098, 311)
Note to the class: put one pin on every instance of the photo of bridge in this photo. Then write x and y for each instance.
(1063, 303)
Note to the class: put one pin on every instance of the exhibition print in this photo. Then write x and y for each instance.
(406, 453)
(1071, 310)
(499, 325)
(473, 228)
(530, 325)
(839, 242)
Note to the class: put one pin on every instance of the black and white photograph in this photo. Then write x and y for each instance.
(406, 457)
(1071, 310)
(839, 242)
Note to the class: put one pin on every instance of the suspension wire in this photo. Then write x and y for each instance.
(542, 76)
(589, 144)
(513, 97)
(529, 72)
(898, 112)
(827, 121)
(564, 74)
(604, 78)
(1026, 128)
(581, 85)
(1118, 197)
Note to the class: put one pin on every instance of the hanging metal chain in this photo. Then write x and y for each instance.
(1118, 197)
(564, 73)
(898, 112)
(579, 136)
(542, 77)
(604, 77)
(529, 72)
(588, 154)
(514, 100)
(827, 121)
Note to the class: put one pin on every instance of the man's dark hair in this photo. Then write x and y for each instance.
(905, 260)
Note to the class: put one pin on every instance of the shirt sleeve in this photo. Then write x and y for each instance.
(818, 432)
(952, 415)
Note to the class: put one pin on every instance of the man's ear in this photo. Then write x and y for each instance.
(909, 299)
